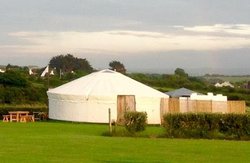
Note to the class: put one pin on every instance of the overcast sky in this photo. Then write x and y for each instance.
(145, 35)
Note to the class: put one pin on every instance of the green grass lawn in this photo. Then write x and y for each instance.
(76, 142)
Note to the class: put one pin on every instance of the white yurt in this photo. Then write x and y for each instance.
(89, 98)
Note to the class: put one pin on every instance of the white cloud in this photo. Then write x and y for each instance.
(123, 41)
(238, 29)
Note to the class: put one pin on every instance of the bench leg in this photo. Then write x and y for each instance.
(23, 119)
(5, 118)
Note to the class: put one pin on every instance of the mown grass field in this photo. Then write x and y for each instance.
(76, 142)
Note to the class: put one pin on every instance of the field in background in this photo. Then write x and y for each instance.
(232, 79)
(77, 142)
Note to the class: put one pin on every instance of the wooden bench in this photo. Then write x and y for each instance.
(14, 118)
(31, 118)
(37, 116)
(27, 118)
(6, 118)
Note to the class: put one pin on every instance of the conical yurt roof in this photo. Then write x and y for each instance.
(105, 83)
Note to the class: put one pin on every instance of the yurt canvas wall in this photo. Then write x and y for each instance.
(88, 99)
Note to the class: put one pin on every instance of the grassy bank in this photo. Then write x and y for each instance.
(74, 142)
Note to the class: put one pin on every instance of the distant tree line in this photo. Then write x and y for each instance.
(17, 87)
(167, 82)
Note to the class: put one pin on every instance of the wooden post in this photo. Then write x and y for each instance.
(110, 123)
(60, 73)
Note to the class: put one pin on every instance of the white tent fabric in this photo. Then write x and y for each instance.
(88, 98)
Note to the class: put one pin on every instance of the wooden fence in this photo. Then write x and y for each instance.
(175, 105)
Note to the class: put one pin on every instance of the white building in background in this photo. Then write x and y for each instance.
(224, 84)
(2, 71)
(30, 71)
(209, 96)
(52, 72)
(45, 71)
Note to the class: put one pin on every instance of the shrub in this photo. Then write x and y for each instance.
(205, 125)
(135, 121)
(12, 78)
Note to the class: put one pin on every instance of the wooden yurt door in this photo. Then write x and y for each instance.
(124, 103)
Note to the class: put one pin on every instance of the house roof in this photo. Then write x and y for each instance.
(182, 92)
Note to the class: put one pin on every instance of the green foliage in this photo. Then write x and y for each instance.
(68, 63)
(135, 121)
(117, 66)
(13, 78)
(71, 76)
(212, 126)
(180, 72)
(54, 81)
(16, 95)
(16, 89)
(169, 81)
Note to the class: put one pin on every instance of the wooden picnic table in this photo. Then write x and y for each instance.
(18, 116)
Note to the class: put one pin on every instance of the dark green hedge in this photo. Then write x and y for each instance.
(135, 121)
(211, 126)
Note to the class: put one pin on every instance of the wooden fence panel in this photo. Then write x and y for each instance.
(174, 105)
(192, 105)
(196, 106)
(183, 105)
(236, 106)
(219, 107)
(203, 106)
(164, 107)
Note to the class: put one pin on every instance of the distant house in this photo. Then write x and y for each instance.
(182, 92)
(33, 69)
(30, 71)
(2, 71)
(224, 84)
(52, 72)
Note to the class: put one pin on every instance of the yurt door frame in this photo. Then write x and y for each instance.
(124, 103)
